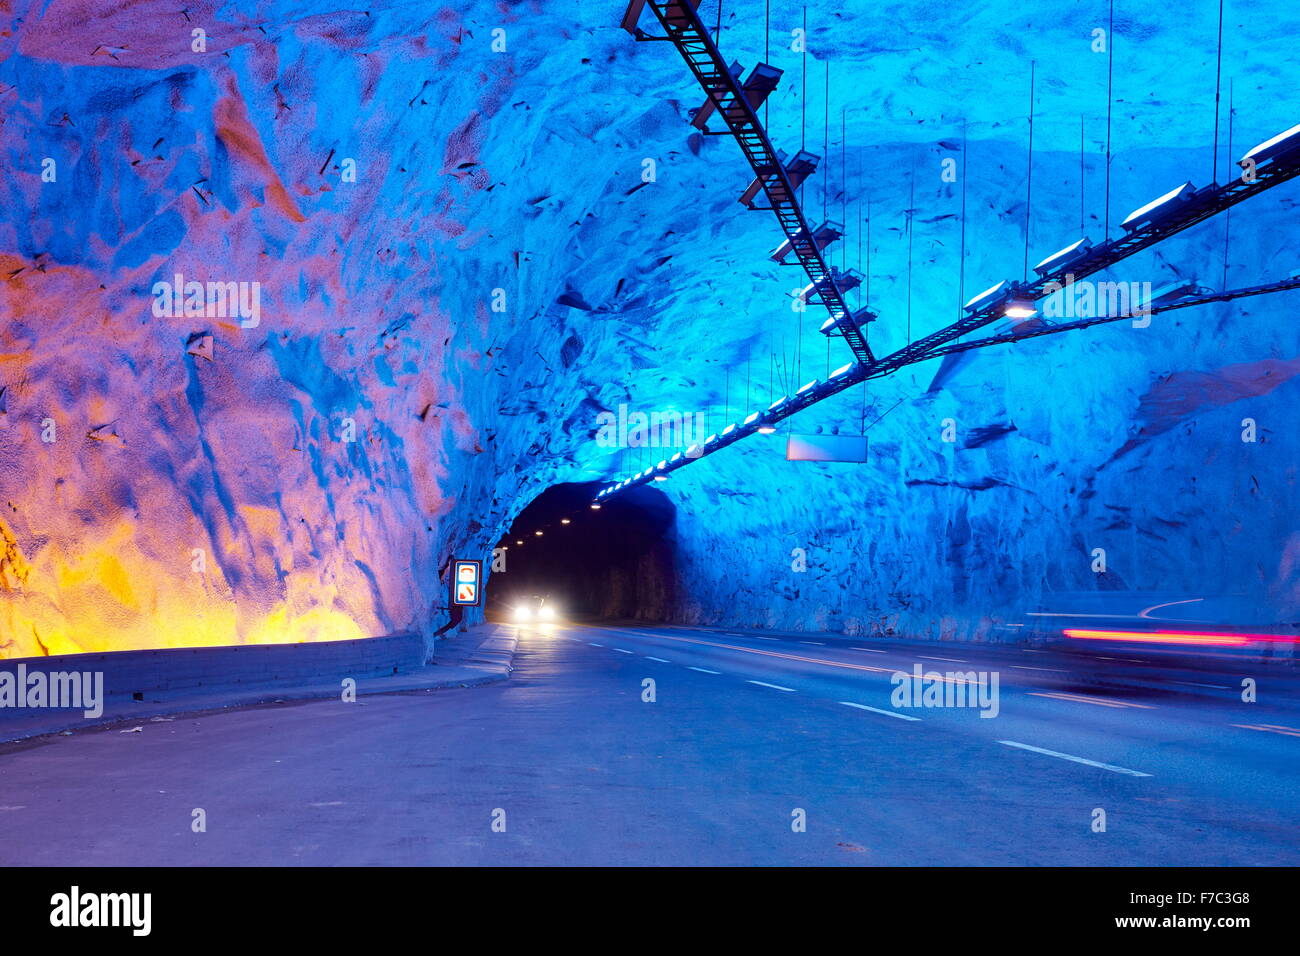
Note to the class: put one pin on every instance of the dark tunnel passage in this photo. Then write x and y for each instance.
(615, 562)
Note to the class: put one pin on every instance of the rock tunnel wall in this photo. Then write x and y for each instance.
(459, 264)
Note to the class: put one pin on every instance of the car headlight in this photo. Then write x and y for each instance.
(523, 613)
(546, 612)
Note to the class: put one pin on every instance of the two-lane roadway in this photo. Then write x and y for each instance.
(673, 745)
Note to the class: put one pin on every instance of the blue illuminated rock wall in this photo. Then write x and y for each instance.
(308, 477)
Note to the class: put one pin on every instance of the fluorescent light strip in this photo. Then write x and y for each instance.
(987, 293)
(1268, 144)
(1137, 214)
(1061, 254)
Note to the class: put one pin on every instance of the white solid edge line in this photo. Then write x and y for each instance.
(704, 670)
(789, 690)
(659, 659)
(1082, 760)
(877, 710)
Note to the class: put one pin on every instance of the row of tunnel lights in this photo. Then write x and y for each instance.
(1148, 214)
(1014, 308)
(761, 422)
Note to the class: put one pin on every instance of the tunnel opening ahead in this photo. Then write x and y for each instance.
(615, 563)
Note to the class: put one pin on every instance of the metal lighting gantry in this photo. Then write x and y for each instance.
(1269, 164)
(736, 103)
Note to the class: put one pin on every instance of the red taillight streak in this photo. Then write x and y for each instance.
(1177, 637)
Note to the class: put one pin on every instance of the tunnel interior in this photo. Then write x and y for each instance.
(615, 562)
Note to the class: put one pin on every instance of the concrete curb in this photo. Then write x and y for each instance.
(472, 660)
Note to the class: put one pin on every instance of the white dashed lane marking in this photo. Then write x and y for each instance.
(1267, 728)
(704, 670)
(877, 710)
(788, 690)
(659, 659)
(1074, 759)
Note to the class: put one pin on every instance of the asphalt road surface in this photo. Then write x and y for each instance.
(754, 750)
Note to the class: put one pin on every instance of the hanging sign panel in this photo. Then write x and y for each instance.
(849, 448)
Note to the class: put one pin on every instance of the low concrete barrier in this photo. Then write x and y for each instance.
(133, 674)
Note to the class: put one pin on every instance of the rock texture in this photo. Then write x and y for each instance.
(460, 265)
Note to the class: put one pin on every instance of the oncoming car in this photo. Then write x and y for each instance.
(533, 609)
